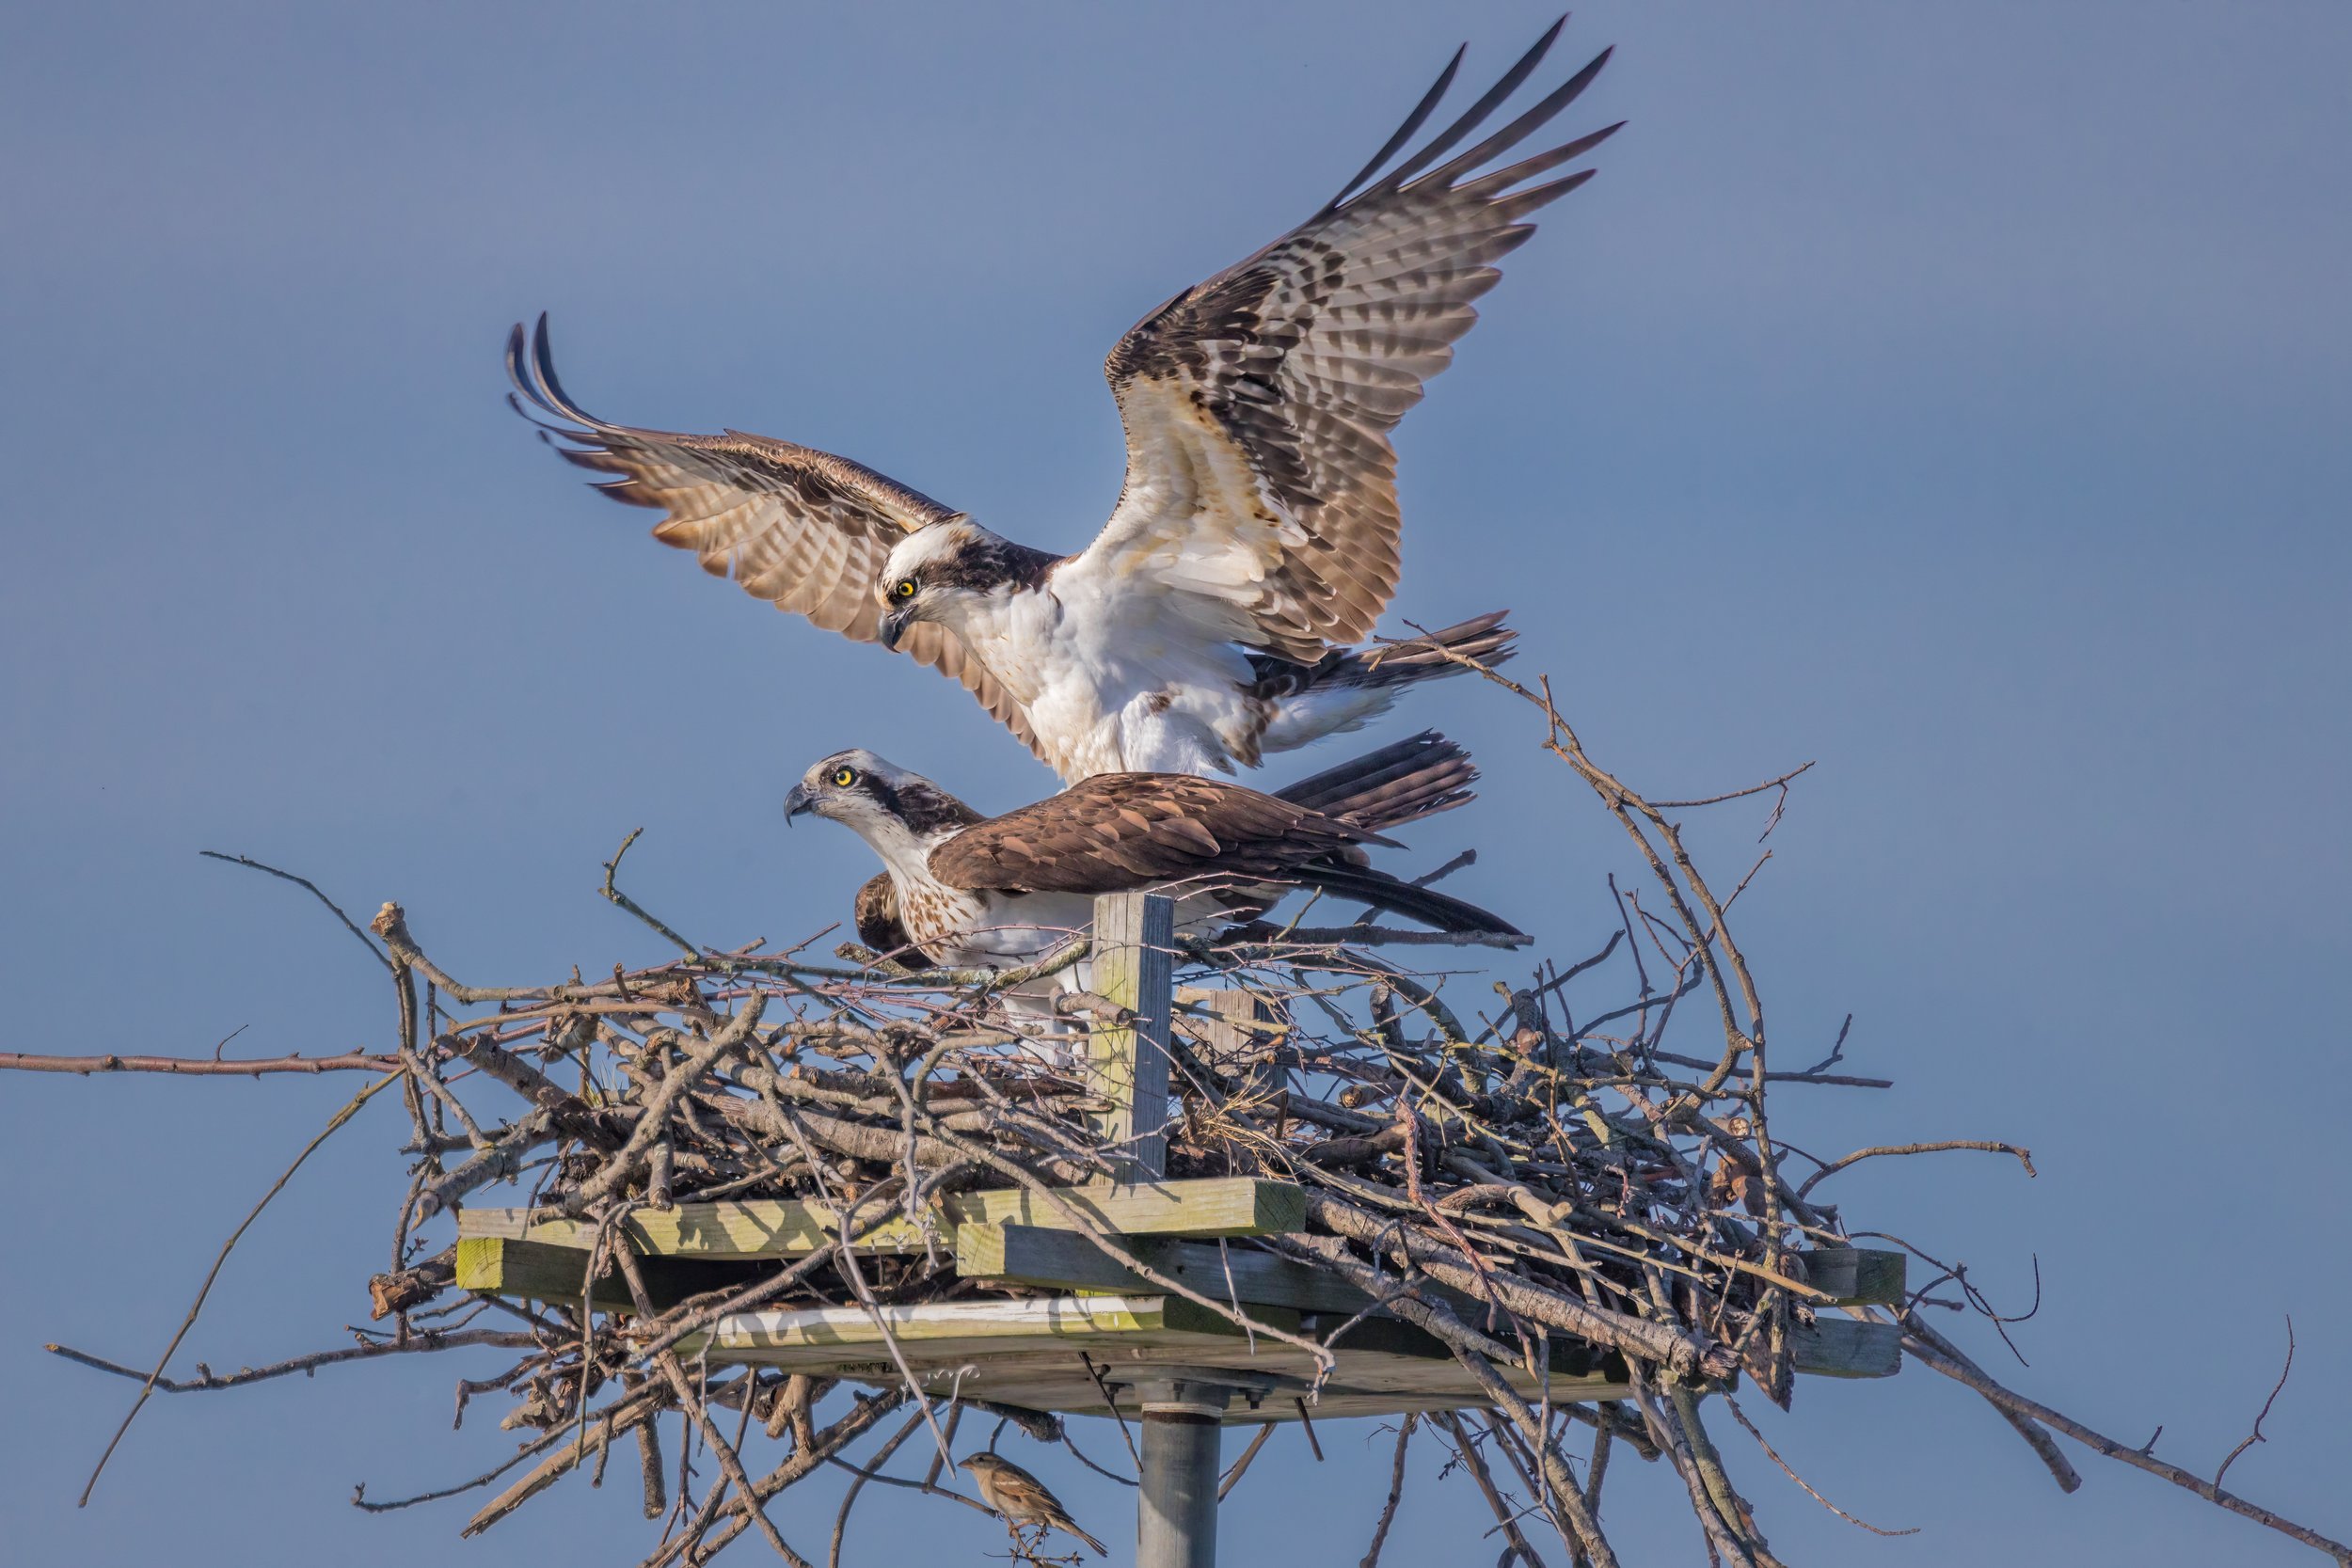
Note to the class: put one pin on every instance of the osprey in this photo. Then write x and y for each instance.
(997, 892)
(1257, 533)
(1403, 782)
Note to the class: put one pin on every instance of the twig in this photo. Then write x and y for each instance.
(2017, 1404)
(2256, 1435)
(212, 1273)
(196, 1067)
(1396, 1491)
(1240, 1468)
(305, 883)
(2023, 1156)
(207, 1381)
(1741, 1417)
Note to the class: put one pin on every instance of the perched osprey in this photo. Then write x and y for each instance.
(1257, 527)
(997, 892)
(1403, 782)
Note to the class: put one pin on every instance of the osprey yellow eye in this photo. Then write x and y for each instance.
(844, 777)
(905, 589)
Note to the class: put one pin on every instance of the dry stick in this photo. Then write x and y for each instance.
(611, 869)
(359, 1492)
(656, 1114)
(1724, 1541)
(621, 1416)
(1505, 1519)
(1769, 1453)
(252, 864)
(1623, 804)
(624, 1255)
(502, 1159)
(422, 1340)
(357, 1061)
(1102, 1386)
(1241, 1466)
(1396, 1491)
(1307, 1425)
(845, 1262)
(849, 1498)
(197, 1306)
(1923, 1342)
(1474, 1350)
(654, 1498)
(1596, 1468)
(1737, 1518)
(2045, 1447)
(2024, 1156)
(2256, 1435)
(1650, 1341)
(1568, 1503)
(853, 1425)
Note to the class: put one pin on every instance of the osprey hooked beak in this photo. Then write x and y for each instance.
(893, 627)
(796, 801)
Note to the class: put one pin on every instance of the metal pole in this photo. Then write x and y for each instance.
(1176, 1516)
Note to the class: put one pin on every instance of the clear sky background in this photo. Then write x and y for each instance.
(1955, 395)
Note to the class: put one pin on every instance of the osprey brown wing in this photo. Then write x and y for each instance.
(1257, 404)
(1120, 830)
(804, 529)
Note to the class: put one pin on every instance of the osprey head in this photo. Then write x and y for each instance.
(938, 572)
(878, 802)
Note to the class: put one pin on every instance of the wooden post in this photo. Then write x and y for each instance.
(1135, 943)
(1239, 1029)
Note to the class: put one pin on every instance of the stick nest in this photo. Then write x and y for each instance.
(1577, 1152)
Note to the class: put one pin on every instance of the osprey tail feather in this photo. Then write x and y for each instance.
(1348, 686)
(1416, 776)
(1435, 910)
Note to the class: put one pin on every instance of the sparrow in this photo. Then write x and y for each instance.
(1022, 1498)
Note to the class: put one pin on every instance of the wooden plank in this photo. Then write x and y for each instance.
(1063, 1259)
(1857, 1277)
(1239, 1033)
(1026, 1353)
(1209, 1206)
(1134, 967)
(1847, 1347)
(540, 1272)
(927, 1330)
(1576, 1364)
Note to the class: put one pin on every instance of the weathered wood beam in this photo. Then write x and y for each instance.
(539, 1272)
(1006, 1326)
(1847, 1347)
(1209, 1206)
(1238, 1031)
(1856, 1277)
(1133, 959)
(1064, 1259)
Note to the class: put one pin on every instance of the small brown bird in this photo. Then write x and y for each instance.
(1022, 1498)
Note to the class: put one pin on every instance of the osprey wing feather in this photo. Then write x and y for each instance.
(1119, 831)
(1257, 404)
(802, 529)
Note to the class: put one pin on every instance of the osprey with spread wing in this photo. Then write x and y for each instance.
(1257, 534)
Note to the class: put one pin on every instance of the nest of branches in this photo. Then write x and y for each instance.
(1582, 1152)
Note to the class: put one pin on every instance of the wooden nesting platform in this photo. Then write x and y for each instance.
(1037, 1352)
(1044, 1354)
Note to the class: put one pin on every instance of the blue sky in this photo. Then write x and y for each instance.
(1955, 396)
